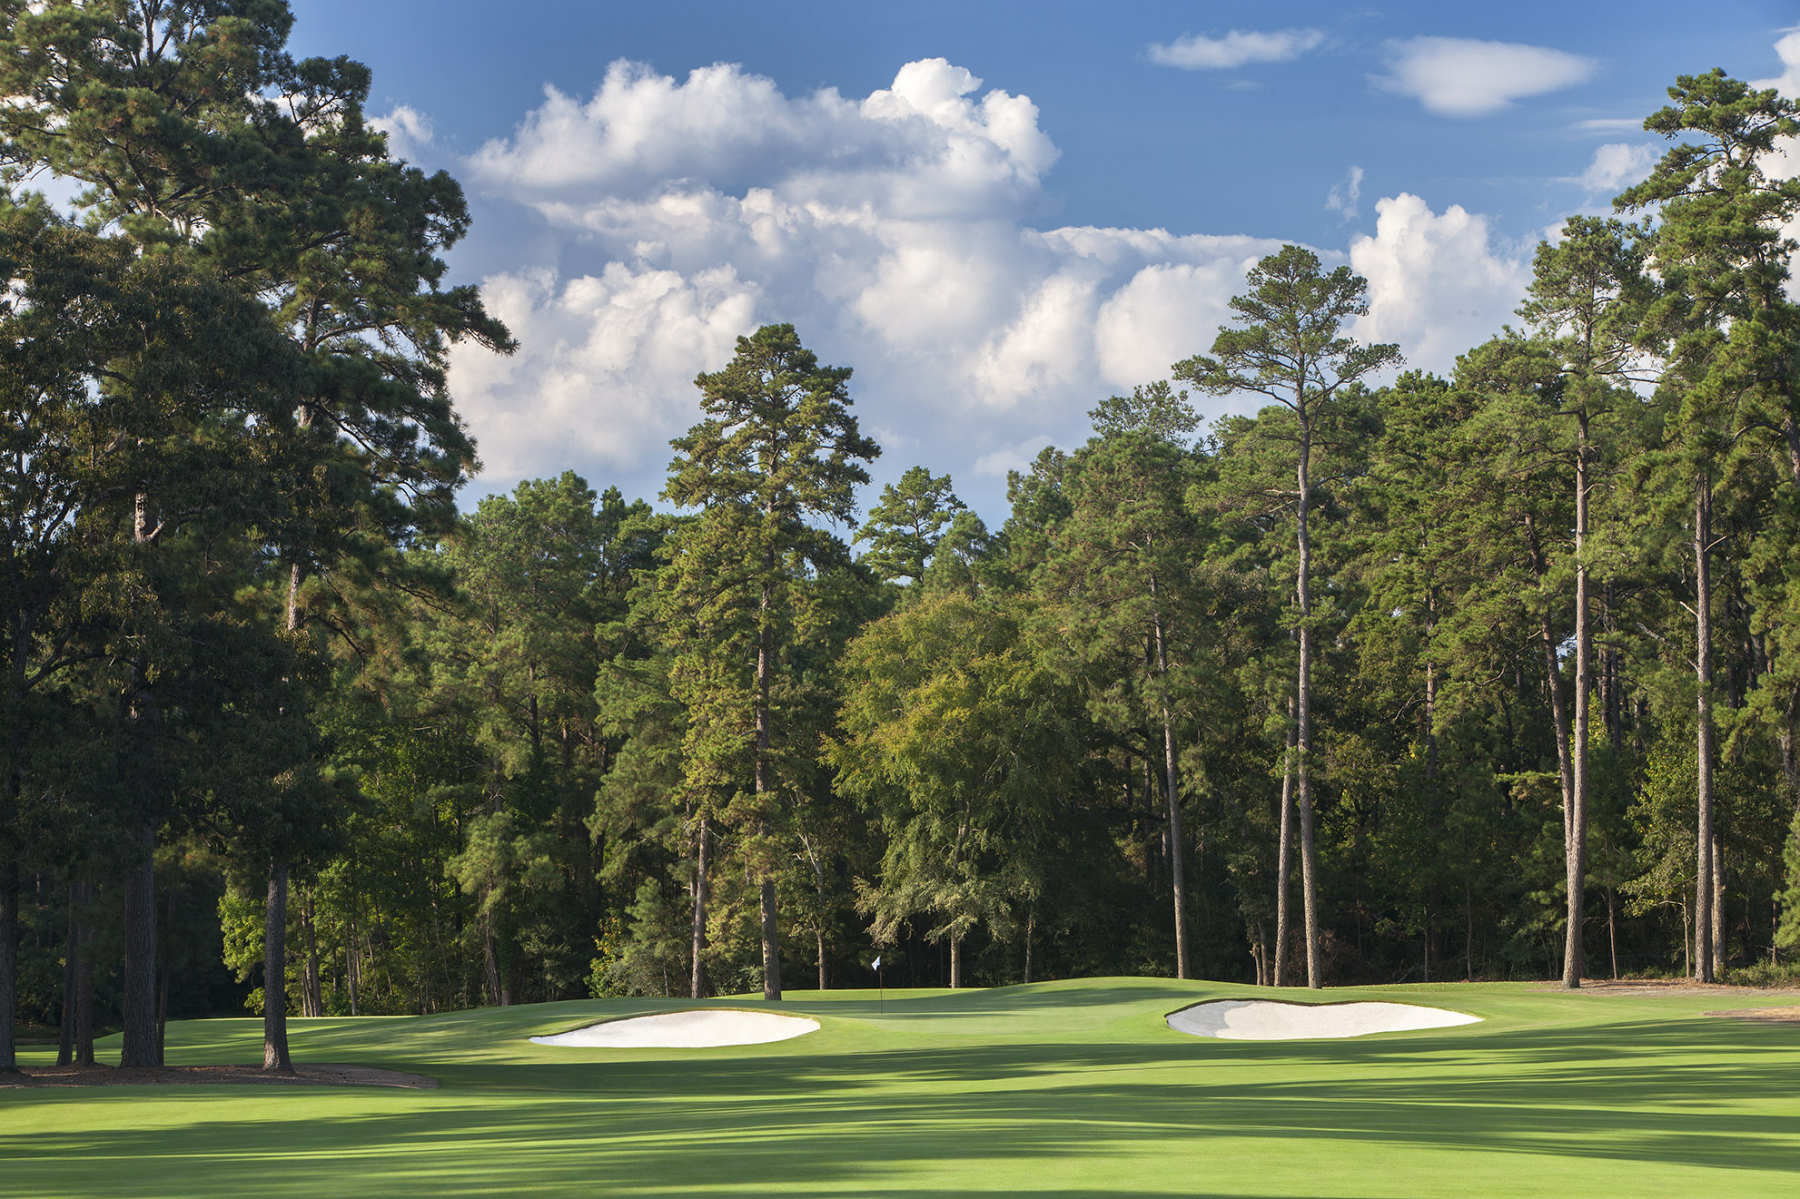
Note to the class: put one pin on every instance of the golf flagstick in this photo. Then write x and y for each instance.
(881, 981)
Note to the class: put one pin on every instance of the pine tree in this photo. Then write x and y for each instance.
(1290, 347)
(1119, 584)
(1587, 295)
(776, 453)
(1731, 338)
(904, 528)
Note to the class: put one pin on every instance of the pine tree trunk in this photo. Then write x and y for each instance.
(139, 999)
(1787, 738)
(84, 975)
(1615, 699)
(490, 955)
(1431, 690)
(65, 1040)
(1559, 714)
(275, 1043)
(1790, 749)
(1612, 932)
(352, 951)
(1177, 842)
(955, 962)
(1559, 720)
(697, 959)
(1030, 919)
(1687, 944)
(11, 836)
(1575, 847)
(1468, 932)
(376, 964)
(771, 933)
(315, 994)
(1703, 883)
(1284, 854)
(162, 973)
(9, 960)
(1431, 759)
(771, 938)
(819, 895)
(1309, 852)
(1718, 906)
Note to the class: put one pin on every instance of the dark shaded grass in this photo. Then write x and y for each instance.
(874, 1110)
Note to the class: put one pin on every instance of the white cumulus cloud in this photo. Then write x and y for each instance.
(895, 232)
(604, 363)
(1617, 165)
(1438, 284)
(408, 130)
(1196, 52)
(1167, 312)
(922, 145)
(892, 230)
(1465, 77)
(1788, 50)
(1785, 162)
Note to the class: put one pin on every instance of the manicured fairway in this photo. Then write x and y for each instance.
(1065, 1089)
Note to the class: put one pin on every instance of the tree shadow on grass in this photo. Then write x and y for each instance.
(1681, 1093)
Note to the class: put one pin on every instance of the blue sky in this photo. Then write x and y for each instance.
(1050, 203)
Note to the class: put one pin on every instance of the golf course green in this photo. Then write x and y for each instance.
(1064, 1089)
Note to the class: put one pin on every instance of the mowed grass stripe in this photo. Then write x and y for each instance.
(1072, 1088)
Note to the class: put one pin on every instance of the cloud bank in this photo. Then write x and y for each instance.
(1438, 283)
(1785, 163)
(661, 218)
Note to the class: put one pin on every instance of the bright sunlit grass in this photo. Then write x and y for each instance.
(1067, 1089)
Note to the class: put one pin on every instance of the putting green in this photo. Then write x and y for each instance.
(1065, 1089)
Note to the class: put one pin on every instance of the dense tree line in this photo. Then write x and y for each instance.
(225, 404)
(1508, 662)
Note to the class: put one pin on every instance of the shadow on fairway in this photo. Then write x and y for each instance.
(1651, 1091)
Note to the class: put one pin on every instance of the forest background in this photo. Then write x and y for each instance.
(1501, 665)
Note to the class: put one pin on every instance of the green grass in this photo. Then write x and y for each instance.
(1064, 1089)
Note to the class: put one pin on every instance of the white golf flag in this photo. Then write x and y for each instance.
(876, 964)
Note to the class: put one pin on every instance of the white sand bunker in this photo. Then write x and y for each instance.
(1263, 1020)
(706, 1029)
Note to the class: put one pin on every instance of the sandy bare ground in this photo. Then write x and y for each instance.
(1775, 1014)
(1769, 1015)
(1635, 986)
(1668, 986)
(138, 1076)
(1266, 1020)
(1687, 986)
(704, 1029)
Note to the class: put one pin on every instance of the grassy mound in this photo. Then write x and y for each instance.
(1070, 1089)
